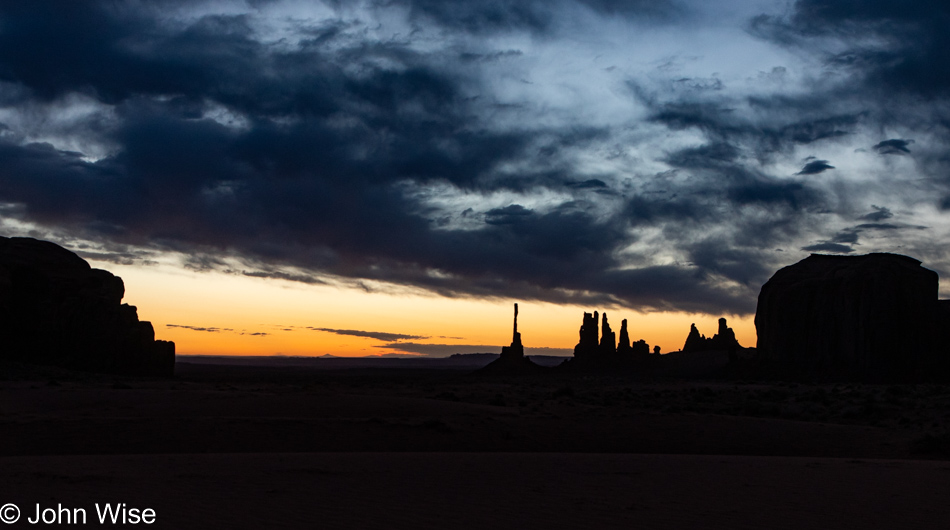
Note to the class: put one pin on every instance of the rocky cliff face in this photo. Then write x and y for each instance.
(874, 317)
(56, 309)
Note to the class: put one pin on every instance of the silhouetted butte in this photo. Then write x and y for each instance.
(57, 310)
(874, 317)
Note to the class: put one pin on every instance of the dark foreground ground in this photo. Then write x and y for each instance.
(299, 447)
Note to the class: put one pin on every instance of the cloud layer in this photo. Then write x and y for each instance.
(378, 335)
(482, 148)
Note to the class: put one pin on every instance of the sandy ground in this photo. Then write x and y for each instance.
(246, 447)
(490, 490)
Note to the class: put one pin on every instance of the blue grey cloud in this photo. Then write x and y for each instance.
(427, 144)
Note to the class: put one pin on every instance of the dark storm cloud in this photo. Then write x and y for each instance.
(730, 187)
(880, 213)
(828, 246)
(741, 256)
(280, 275)
(59, 46)
(300, 191)
(595, 184)
(683, 208)
(917, 59)
(896, 61)
(107, 251)
(378, 335)
(911, 50)
(882, 226)
(710, 155)
(489, 57)
(301, 159)
(894, 146)
(514, 213)
(485, 16)
(806, 132)
(771, 192)
(849, 236)
(844, 241)
(815, 167)
(729, 179)
(782, 122)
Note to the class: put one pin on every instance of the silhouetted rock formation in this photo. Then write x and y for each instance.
(607, 353)
(623, 347)
(608, 340)
(55, 309)
(515, 350)
(656, 350)
(640, 348)
(874, 317)
(588, 345)
(626, 350)
(724, 340)
(512, 360)
(695, 341)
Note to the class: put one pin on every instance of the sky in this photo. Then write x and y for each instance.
(388, 177)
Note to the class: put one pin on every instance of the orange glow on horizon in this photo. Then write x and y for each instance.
(208, 313)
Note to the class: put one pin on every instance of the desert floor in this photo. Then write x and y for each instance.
(294, 447)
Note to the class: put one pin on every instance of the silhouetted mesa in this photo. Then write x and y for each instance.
(874, 317)
(57, 310)
(724, 340)
(512, 360)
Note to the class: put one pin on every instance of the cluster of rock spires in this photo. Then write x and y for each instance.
(599, 349)
(57, 310)
(607, 347)
(724, 340)
(872, 318)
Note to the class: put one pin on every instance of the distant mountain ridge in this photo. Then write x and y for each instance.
(456, 361)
